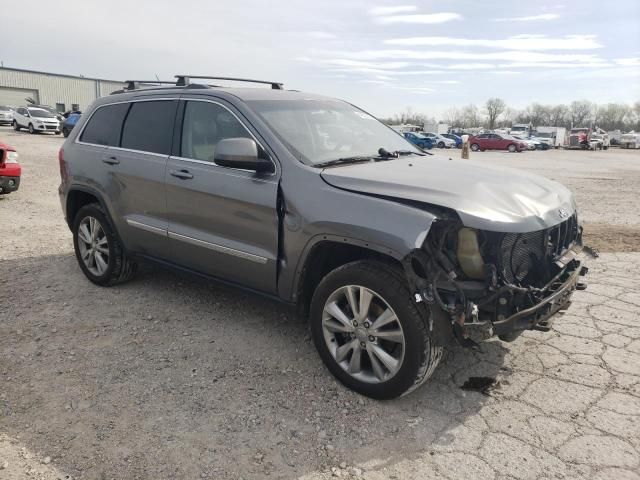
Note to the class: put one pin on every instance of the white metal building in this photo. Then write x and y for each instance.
(62, 92)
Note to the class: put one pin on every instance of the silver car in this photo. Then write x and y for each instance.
(6, 115)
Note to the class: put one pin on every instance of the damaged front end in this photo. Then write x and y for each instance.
(474, 284)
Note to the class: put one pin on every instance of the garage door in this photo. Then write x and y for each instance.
(15, 97)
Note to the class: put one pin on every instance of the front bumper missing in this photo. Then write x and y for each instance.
(539, 315)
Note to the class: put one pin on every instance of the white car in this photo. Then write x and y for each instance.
(35, 120)
(630, 140)
(440, 141)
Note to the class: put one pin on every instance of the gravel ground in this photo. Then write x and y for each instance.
(174, 377)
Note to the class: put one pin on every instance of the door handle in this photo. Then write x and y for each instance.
(111, 160)
(182, 174)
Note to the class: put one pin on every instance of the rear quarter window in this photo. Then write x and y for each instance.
(105, 125)
(149, 126)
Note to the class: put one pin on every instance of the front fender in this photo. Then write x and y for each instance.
(381, 225)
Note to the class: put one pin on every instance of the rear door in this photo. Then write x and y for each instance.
(126, 146)
(222, 221)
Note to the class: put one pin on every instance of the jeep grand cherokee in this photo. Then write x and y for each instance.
(392, 253)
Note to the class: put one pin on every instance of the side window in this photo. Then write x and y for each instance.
(149, 126)
(204, 125)
(105, 125)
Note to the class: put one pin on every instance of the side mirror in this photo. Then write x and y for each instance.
(241, 153)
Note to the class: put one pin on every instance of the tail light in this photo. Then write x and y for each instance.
(63, 165)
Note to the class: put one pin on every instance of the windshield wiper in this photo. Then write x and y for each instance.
(345, 160)
(410, 152)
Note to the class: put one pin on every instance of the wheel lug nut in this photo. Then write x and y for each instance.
(372, 338)
(362, 344)
(367, 324)
(355, 323)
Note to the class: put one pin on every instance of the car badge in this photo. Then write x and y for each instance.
(562, 213)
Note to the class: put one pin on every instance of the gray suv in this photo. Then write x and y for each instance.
(392, 253)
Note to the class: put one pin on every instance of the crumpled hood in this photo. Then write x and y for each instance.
(487, 198)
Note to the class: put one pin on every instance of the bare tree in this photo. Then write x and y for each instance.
(453, 117)
(470, 116)
(494, 108)
(580, 112)
(557, 115)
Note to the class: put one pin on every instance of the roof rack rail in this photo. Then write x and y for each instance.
(136, 84)
(185, 80)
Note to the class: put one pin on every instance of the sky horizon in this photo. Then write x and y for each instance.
(382, 56)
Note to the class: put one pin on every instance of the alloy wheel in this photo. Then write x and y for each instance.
(93, 245)
(363, 334)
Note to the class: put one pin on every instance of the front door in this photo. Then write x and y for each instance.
(222, 221)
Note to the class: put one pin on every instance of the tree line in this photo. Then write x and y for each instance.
(495, 113)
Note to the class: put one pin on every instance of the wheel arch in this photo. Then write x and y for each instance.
(325, 253)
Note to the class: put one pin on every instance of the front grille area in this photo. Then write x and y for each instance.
(528, 259)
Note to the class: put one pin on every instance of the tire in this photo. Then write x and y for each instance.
(58, 132)
(119, 267)
(32, 130)
(512, 148)
(440, 144)
(65, 132)
(605, 148)
(416, 358)
(475, 147)
(16, 127)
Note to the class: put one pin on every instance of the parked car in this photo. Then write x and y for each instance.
(530, 143)
(439, 141)
(9, 169)
(493, 141)
(36, 120)
(630, 140)
(391, 255)
(455, 138)
(540, 143)
(69, 123)
(419, 140)
(6, 115)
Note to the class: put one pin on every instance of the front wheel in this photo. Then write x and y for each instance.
(16, 127)
(369, 332)
(440, 144)
(58, 132)
(98, 250)
(31, 129)
(511, 148)
(475, 147)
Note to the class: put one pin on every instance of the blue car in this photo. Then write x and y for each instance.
(455, 138)
(419, 140)
(69, 123)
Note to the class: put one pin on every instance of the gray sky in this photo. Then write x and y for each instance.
(382, 56)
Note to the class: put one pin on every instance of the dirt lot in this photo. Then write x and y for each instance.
(175, 377)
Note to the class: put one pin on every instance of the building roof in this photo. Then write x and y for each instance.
(78, 77)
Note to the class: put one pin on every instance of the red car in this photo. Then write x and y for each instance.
(9, 169)
(494, 141)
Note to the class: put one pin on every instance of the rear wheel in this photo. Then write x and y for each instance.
(98, 250)
(16, 127)
(65, 132)
(511, 148)
(475, 147)
(369, 333)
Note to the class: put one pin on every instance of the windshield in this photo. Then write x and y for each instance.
(4, 109)
(40, 113)
(543, 135)
(317, 131)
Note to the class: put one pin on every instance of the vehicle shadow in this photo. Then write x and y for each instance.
(175, 376)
